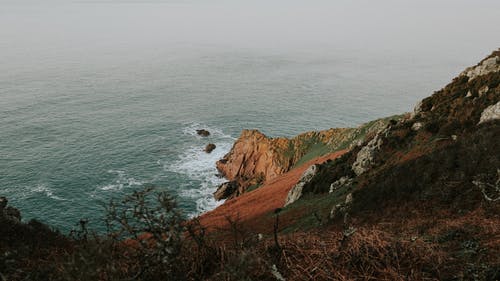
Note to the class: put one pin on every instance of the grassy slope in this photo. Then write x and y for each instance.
(316, 148)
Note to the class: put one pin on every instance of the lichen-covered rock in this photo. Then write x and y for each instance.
(296, 192)
(417, 126)
(342, 182)
(490, 113)
(335, 210)
(489, 65)
(417, 110)
(348, 199)
(342, 209)
(365, 157)
(483, 90)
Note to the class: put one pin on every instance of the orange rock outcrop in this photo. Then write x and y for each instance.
(256, 158)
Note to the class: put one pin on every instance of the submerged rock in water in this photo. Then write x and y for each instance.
(8, 212)
(3, 203)
(203, 133)
(210, 147)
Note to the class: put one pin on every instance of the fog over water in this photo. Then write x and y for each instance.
(98, 98)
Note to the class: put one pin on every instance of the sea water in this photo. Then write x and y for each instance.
(100, 98)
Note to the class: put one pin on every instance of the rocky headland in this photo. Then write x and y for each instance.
(256, 158)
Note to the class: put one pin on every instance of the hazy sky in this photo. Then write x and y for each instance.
(463, 27)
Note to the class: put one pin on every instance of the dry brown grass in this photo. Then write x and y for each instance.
(369, 254)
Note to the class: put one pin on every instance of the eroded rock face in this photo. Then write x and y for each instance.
(365, 157)
(342, 208)
(417, 110)
(256, 158)
(225, 190)
(492, 112)
(296, 192)
(340, 183)
(483, 90)
(416, 126)
(348, 199)
(489, 65)
(251, 154)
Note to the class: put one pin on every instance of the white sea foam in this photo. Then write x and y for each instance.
(198, 165)
(122, 181)
(45, 190)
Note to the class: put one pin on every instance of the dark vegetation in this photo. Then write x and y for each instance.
(154, 243)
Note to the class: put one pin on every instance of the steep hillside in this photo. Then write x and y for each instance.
(459, 121)
(430, 178)
(256, 158)
(258, 204)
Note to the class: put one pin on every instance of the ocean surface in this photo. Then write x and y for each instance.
(98, 99)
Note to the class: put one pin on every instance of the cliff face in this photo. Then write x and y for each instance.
(256, 158)
(450, 139)
(254, 155)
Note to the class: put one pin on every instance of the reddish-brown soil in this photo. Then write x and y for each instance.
(254, 205)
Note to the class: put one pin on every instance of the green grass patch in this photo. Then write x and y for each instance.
(305, 208)
(316, 150)
(254, 186)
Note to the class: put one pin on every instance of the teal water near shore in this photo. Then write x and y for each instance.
(81, 124)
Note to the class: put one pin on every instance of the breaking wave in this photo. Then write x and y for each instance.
(199, 166)
(122, 181)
